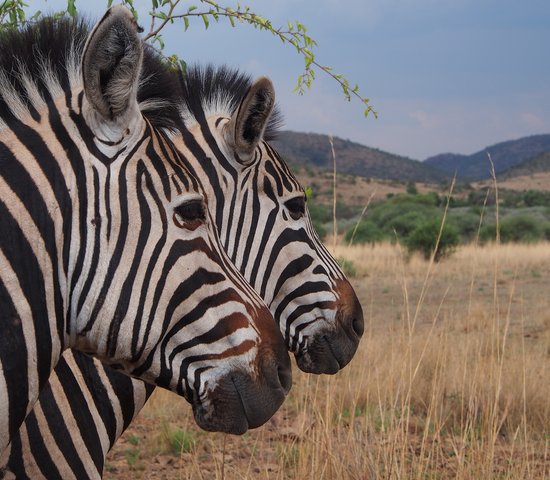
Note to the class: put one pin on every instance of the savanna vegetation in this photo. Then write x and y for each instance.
(451, 380)
(452, 377)
(420, 221)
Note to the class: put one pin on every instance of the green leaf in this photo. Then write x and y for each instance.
(158, 39)
(185, 23)
(191, 8)
(36, 15)
(71, 8)
(182, 66)
(205, 20)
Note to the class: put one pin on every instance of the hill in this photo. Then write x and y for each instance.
(504, 155)
(311, 149)
(538, 164)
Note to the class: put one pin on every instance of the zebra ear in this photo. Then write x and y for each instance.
(247, 126)
(111, 63)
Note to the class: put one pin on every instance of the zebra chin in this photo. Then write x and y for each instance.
(331, 348)
(239, 403)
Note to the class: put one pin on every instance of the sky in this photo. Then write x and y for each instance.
(443, 75)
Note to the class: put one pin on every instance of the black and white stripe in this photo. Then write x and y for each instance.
(107, 246)
(259, 209)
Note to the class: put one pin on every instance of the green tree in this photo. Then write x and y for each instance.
(431, 238)
(411, 188)
(366, 232)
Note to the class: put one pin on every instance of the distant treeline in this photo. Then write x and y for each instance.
(415, 219)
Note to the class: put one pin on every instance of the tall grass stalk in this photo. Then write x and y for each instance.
(451, 380)
(334, 222)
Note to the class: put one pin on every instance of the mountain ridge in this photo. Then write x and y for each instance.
(510, 158)
(353, 158)
(504, 155)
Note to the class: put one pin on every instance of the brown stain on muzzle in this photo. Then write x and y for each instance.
(350, 312)
(248, 399)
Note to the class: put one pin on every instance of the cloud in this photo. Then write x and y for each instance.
(424, 119)
(531, 119)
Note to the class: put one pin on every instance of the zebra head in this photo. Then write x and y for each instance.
(152, 291)
(261, 213)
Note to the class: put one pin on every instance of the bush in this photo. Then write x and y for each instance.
(404, 225)
(347, 267)
(319, 214)
(533, 198)
(488, 233)
(411, 188)
(344, 210)
(466, 223)
(319, 228)
(367, 232)
(424, 239)
(418, 206)
(518, 228)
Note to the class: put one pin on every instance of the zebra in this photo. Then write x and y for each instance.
(296, 257)
(314, 304)
(107, 245)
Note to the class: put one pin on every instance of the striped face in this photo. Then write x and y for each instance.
(159, 297)
(261, 214)
(108, 246)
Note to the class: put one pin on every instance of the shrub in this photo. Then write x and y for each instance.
(411, 188)
(404, 225)
(424, 239)
(366, 232)
(520, 228)
(532, 198)
(546, 230)
(418, 206)
(319, 213)
(320, 229)
(466, 223)
(180, 440)
(488, 233)
(347, 267)
(344, 210)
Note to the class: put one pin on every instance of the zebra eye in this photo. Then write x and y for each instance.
(189, 214)
(296, 207)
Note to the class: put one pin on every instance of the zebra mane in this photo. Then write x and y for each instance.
(208, 90)
(41, 60)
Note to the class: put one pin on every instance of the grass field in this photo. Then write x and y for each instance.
(451, 380)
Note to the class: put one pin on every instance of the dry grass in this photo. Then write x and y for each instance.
(452, 380)
(535, 181)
